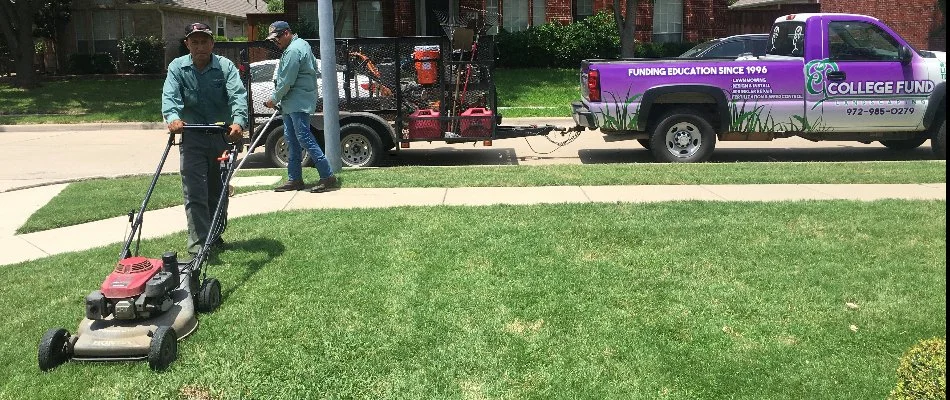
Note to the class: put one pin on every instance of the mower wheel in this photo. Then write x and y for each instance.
(54, 348)
(209, 297)
(163, 349)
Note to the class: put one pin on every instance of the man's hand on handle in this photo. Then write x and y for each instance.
(269, 104)
(176, 127)
(235, 134)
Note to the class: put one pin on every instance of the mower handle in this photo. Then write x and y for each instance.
(213, 128)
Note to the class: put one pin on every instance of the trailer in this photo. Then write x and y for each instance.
(393, 91)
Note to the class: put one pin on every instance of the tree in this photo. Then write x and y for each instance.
(50, 24)
(627, 26)
(16, 25)
(275, 6)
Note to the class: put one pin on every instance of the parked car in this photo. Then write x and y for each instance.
(264, 74)
(732, 46)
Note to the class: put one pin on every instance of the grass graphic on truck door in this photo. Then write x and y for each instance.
(752, 120)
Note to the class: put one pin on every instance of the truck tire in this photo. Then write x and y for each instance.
(683, 136)
(903, 144)
(939, 141)
(360, 145)
(276, 149)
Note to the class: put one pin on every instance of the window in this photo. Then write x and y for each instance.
(667, 21)
(307, 20)
(787, 39)
(538, 13)
(515, 15)
(491, 9)
(583, 9)
(860, 41)
(219, 26)
(105, 32)
(727, 49)
(370, 20)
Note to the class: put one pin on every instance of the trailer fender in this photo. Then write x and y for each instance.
(385, 130)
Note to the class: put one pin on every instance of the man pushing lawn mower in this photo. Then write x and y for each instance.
(145, 305)
(203, 88)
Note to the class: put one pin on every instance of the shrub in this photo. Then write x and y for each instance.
(146, 55)
(922, 372)
(99, 63)
(219, 38)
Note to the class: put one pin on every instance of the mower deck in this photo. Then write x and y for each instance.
(121, 340)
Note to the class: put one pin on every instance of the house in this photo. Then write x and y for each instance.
(667, 20)
(920, 21)
(97, 25)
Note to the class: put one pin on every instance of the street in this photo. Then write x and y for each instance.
(32, 158)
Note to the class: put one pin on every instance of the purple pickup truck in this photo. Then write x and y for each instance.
(825, 77)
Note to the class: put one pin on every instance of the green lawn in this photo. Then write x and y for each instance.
(134, 100)
(681, 300)
(83, 100)
(81, 201)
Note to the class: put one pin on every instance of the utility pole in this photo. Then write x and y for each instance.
(331, 98)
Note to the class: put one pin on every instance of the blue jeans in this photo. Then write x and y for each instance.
(297, 133)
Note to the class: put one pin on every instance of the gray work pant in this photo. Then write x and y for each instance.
(201, 185)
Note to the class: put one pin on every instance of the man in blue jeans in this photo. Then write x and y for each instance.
(296, 92)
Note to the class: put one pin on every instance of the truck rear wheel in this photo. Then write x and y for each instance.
(683, 136)
(360, 145)
(939, 141)
(904, 144)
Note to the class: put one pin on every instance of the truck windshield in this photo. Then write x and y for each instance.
(787, 39)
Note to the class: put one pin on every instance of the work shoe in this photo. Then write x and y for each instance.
(290, 186)
(326, 184)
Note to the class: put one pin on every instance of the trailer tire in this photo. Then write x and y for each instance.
(360, 145)
(276, 149)
(904, 144)
(939, 141)
(53, 349)
(683, 136)
(645, 143)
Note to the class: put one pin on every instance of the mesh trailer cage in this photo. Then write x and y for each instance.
(394, 78)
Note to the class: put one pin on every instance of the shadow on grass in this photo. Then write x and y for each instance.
(270, 248)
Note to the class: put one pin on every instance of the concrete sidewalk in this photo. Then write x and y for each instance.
(20, 204)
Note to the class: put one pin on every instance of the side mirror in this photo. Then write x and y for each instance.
(905, 55)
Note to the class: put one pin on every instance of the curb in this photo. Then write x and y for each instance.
(102, 126)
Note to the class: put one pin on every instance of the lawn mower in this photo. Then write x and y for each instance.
(146, 304)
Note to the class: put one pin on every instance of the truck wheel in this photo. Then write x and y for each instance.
(360, 145)
(53, 349)
(645, 143)
(903, 144)
(939, 141)
(683, 136)
(163, 350)
(276, 149)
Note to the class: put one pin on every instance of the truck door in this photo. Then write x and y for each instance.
(866, 87)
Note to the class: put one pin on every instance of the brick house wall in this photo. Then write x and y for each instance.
(915, 20)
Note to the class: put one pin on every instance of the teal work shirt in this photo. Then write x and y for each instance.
(204, 97)
(296, 86)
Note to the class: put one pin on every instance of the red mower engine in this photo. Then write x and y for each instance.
(139, 287)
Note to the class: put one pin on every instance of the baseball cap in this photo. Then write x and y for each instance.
(198, 27)
(276, 29)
